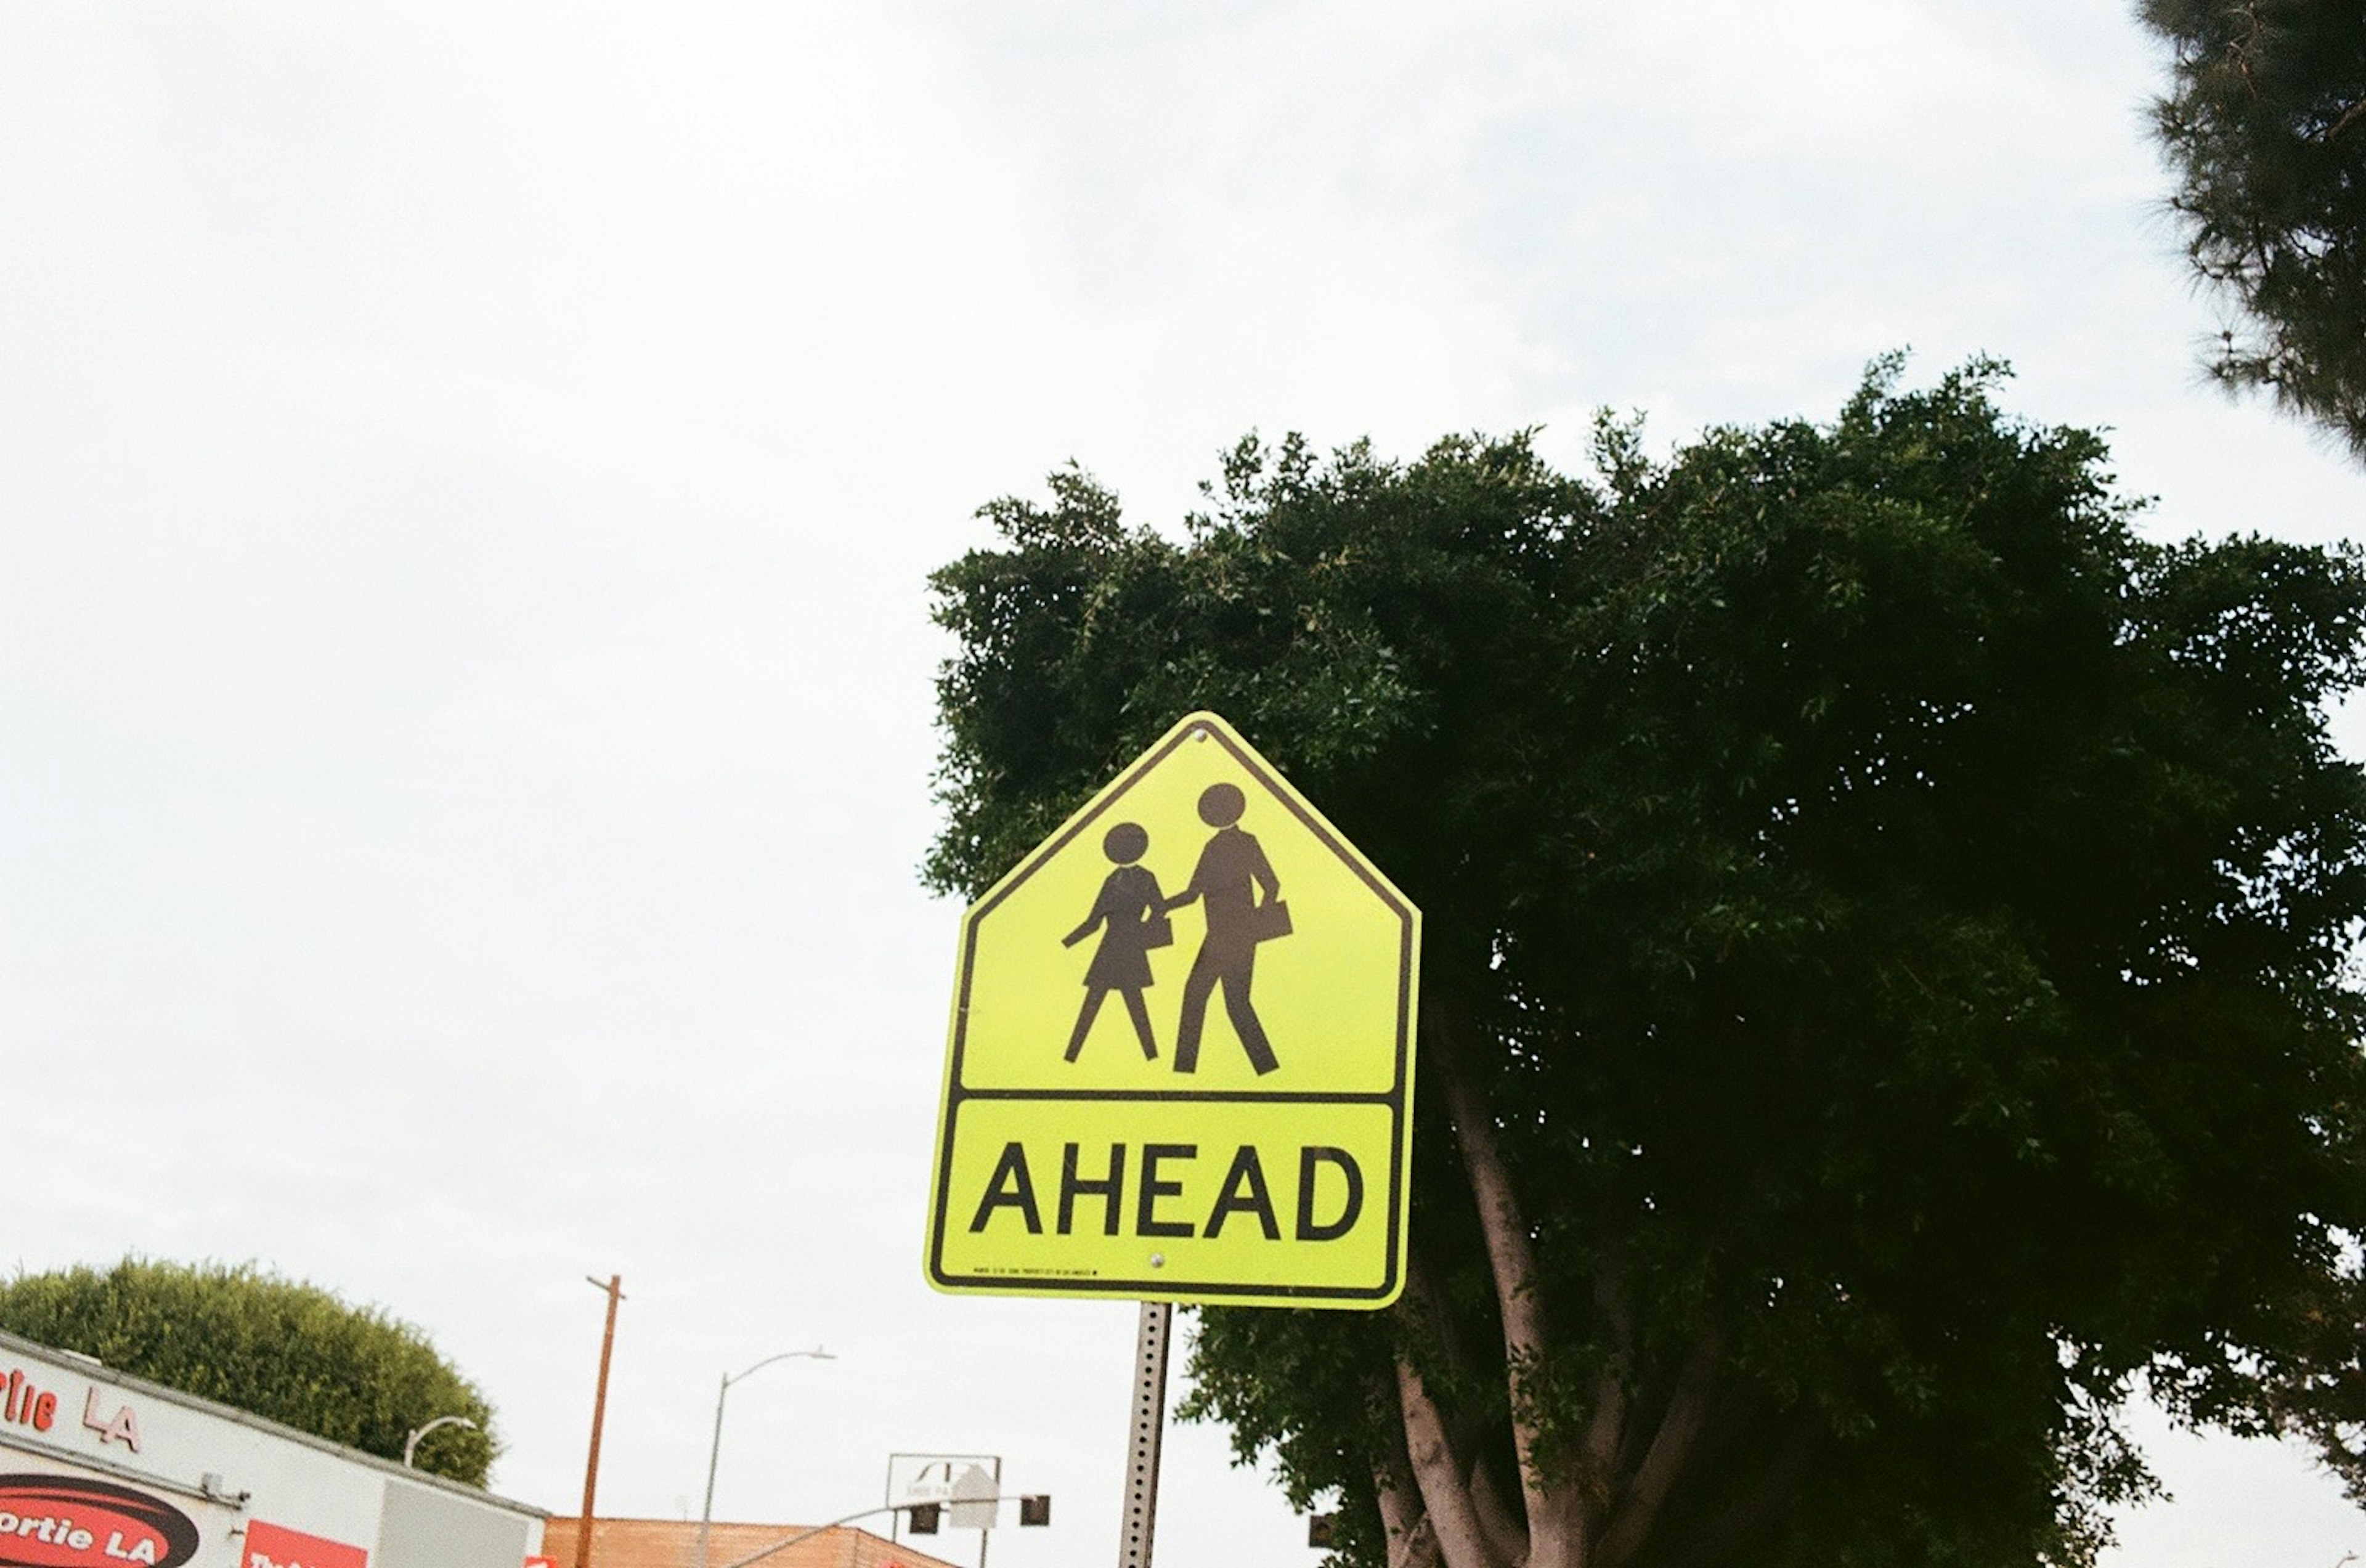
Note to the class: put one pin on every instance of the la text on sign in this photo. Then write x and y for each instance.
(1181, 1057)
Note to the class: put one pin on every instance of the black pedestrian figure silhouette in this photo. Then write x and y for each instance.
(1133, 911)
(1231, 871)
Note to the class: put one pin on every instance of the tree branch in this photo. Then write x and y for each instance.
(1412, 1542)
(1607, 1425)
(1460, 1363)
(2350, 117)
(1679, 1429)
(1503, 1531)
(1756, 1509)
(1554, 1539)
(1454, 1523)
(1416, 1550)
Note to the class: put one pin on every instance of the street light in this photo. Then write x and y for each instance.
(706, 1513)
(410, 1443)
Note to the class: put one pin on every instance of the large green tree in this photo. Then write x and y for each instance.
(243, 1337)
(1885, 978)
(2265, 123)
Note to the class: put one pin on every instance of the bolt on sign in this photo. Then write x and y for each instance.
(1180, 1066)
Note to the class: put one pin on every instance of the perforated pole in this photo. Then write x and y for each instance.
(1149, 1428)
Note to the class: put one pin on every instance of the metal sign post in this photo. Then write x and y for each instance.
(1149, 1428)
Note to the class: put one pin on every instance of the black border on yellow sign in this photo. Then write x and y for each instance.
(1399, 1097)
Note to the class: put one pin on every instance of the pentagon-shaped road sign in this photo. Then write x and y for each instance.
(1181, 1059)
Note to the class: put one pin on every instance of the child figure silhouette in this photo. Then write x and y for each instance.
(1131, 911)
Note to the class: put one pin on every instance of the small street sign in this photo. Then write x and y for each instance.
(1180, 1066)
(958, 1490)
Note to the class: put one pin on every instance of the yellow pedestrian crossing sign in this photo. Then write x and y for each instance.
(1180, 1066)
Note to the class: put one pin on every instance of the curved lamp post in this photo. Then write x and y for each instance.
(706, 1513)
(410, 1443)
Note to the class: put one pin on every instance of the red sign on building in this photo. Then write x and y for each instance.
(65, 1522)
(276, 1546)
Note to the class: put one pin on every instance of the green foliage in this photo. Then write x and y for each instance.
(242, 1338)
(2266, 125)
(1898, 917)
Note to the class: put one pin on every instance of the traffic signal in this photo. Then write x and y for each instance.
(923, 1517)
(1035, 1509)
(1320, 1529)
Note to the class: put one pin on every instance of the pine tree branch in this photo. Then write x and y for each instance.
(2350, 117)
(2240, 49)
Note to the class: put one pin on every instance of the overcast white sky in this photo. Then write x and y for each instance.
(467, 476)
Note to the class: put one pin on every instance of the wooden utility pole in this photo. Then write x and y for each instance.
(614, 1287)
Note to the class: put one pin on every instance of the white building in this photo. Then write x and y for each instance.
(98, 1470)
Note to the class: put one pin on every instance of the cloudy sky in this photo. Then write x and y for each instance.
(467, 479)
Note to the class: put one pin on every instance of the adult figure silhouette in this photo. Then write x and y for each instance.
(1232, 871)
(1132, 912)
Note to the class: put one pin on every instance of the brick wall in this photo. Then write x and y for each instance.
(673, 1543)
